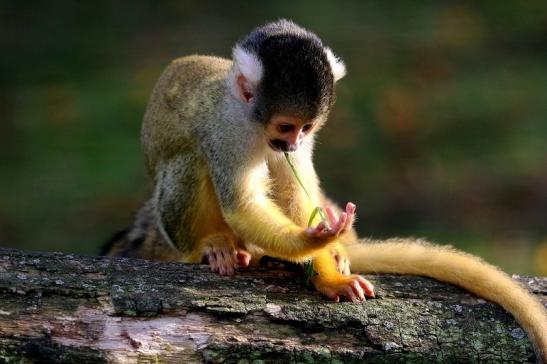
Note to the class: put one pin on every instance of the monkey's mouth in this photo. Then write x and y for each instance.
(280, 145)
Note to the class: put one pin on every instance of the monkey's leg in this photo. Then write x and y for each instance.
(330, 279)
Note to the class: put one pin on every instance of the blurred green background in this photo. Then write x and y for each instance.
(439, 131)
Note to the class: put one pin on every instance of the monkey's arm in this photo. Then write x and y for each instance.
(288, 194)
(257, 219)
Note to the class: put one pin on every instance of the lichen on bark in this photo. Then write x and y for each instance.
(95, 309)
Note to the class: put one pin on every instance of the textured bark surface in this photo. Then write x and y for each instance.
(64, 308)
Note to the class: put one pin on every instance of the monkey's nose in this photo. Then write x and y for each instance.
(291, 147)
(283, 146)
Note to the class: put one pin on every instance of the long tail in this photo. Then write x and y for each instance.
(416, 257)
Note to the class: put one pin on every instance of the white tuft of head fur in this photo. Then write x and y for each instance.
(336, 64)
(248, 64)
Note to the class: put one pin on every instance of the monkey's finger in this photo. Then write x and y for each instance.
(227, 256)
(348, 224)
(341, 224)
(351, 208)
(228, 261)
(348, 292)
(332, 296)
(367, 286)
(357, 289)
(331, 215)
(229, 270)
(224, 270)
(243, 258)
(212, 262)
(219, 262)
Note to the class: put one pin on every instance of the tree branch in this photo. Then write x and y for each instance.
(65, 308)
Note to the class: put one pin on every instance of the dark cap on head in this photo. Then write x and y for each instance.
(297, 76)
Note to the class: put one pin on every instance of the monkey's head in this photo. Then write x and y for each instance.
(285, 76)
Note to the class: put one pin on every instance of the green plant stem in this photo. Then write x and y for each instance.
(317, 209)
(308, 266)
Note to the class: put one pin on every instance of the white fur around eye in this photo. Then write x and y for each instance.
(248, 64)
(336, 64)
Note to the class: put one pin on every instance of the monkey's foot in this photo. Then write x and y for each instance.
(223, 260)
(353, 287)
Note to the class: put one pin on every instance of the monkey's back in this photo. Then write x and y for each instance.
(187, 92)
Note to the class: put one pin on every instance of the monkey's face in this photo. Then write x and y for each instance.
(286, 133)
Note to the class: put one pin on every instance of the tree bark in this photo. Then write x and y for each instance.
(65, 308)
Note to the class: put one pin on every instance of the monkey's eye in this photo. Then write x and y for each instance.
(285, 128)
(307, 127)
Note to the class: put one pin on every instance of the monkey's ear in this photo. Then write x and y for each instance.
(246, 74)
(336, 65)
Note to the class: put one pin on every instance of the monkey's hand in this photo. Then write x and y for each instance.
(337, 225)
(354, 287)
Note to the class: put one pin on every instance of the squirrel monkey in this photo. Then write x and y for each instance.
(213, 137)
